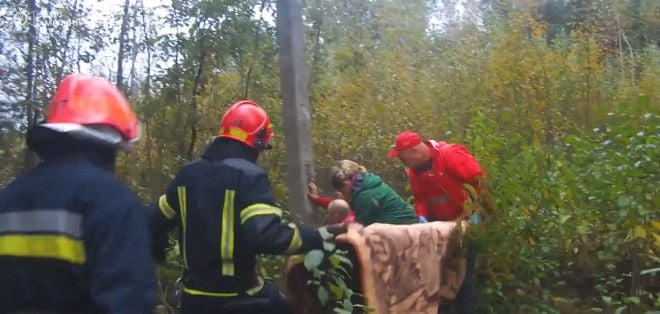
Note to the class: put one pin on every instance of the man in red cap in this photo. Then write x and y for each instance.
(442, 177)
(440, 174)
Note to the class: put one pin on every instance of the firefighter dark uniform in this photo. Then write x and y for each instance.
(73, 239)
(224, 208)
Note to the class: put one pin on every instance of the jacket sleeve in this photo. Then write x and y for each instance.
(322, 201)
(421, 203)
(261, 223)
(121, 273)
(461, 164)
(163, 217)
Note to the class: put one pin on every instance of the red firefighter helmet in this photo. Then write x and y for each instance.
(247, 122)
(94, 108)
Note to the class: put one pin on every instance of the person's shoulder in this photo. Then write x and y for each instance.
(104, 182)
(248, 168)
(105, 195)
(372, 175)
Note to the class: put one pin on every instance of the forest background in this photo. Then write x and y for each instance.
(558, 99)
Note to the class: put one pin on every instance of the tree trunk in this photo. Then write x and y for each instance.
(30, 158)
(65, 46)
(120, 54)
(316, 27)
(248, 76)
(193, 105)
(297, 119)
(147, 43)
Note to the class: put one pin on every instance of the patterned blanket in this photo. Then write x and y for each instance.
(400, 268)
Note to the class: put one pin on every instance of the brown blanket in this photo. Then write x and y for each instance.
(402, 268)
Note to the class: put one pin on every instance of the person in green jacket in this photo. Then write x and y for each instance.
(372, 199)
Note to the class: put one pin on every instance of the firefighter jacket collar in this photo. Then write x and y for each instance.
(224, 148)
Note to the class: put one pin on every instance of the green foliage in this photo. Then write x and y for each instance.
(331, 275)
(584, 213)
(557, 99)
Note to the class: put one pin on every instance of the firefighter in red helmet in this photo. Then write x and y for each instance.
(224, 209)
(248, 123)
(73, 238)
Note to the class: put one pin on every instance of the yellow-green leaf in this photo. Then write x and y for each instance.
(640, 232)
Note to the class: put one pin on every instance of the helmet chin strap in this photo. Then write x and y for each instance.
(260, 142)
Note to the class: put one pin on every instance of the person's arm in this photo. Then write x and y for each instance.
(462, 165)
(420, 201)
(261, 222)
(163, 217)
(121, 273)
(313, 194)
(323, 201)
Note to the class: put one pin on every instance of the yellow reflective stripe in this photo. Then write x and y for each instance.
(182, 206)
(259, 209)
(209, 294)
(227, 237)
(165, 207)
(238, 133)
(43, 246)
(296, 240)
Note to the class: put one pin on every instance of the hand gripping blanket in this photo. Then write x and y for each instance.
(398, 268)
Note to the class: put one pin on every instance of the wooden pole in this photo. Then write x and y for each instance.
(295, 111)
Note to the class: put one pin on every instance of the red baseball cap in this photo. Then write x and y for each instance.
(405, 140)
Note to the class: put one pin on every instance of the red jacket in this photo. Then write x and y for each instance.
(439, 192)
(325, 202)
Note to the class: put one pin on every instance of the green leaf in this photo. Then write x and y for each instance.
(639, 232)
(643, 211)
(348, 305)
(607, 299)
(582, 229)
(313, 259)
(633, 300)
(334, 261)
(328, 246)
(349, 293)
(318, 273)
(624, 201)
(620, 310)
(337, 259)
(340, 282)
(650, 271)
(323, 296)
(337, 291)
(344, 272)
(564, 218)
(297, 259)
(342, 311)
